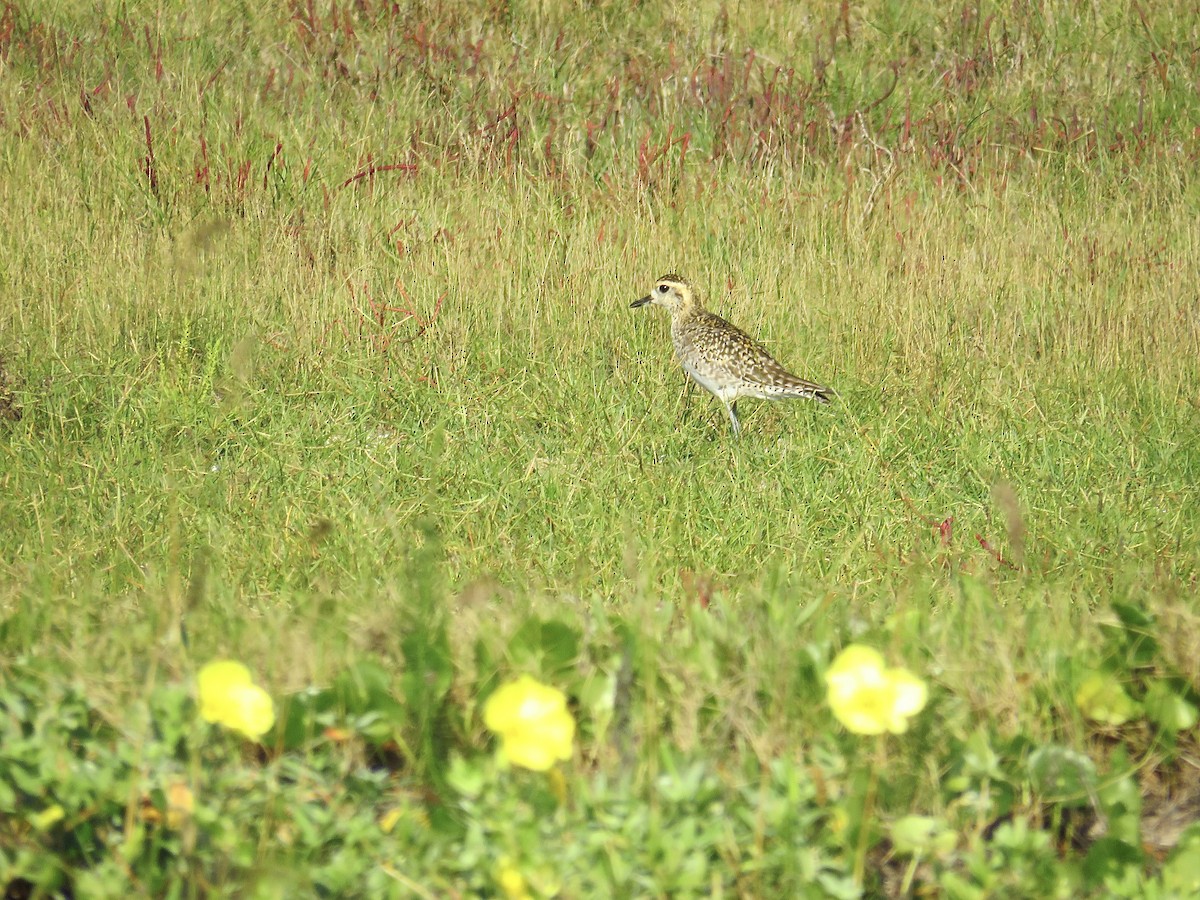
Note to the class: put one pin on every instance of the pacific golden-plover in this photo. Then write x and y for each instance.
(722, 358)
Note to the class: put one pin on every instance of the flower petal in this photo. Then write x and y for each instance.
(868, 698)
(230, 698)
(533, 723)
(213, 684)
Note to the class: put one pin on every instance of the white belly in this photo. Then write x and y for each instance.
(723, 386)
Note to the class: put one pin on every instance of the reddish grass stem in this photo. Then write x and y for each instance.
(370, 171)
(150, 164)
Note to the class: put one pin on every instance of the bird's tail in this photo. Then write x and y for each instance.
(810, 390)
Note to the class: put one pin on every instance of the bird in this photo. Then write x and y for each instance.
(722, 358)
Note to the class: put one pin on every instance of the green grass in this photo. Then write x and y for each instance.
(280, 402)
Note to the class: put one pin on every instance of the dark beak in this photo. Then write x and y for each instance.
(636, 303)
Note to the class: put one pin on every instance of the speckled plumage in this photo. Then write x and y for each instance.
(722, 358)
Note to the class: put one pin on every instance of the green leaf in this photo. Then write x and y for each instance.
(838, 887)
(1102, 699)
(365, 687)
(300, 718)
(173, 712)
(1121, 801)
(1181, 873)
(1132, 617)
(922, 836)
(1111, 860)
(1167, 709)
(547, 646)
(1133, 637)
(466, 778)
(1062, 774)
(979, 759)
(959, 888)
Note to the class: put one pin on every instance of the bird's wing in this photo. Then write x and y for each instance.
(756, 364)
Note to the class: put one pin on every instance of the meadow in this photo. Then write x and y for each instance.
(316, 354)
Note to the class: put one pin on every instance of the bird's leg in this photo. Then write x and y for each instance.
(685, 398)
(737, 427)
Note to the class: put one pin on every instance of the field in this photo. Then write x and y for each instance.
(316, 354)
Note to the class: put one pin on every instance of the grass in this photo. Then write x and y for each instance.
(317, 354)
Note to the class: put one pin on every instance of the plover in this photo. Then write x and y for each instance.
(722, 358)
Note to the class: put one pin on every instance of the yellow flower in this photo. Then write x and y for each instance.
(48, 817)
(388, 820)
(229, 697)
(511, 881)
(532, 722)
(868, 698)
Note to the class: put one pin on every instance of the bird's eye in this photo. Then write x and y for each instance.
(662, 288)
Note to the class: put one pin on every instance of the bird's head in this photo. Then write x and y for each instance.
(670, 291)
